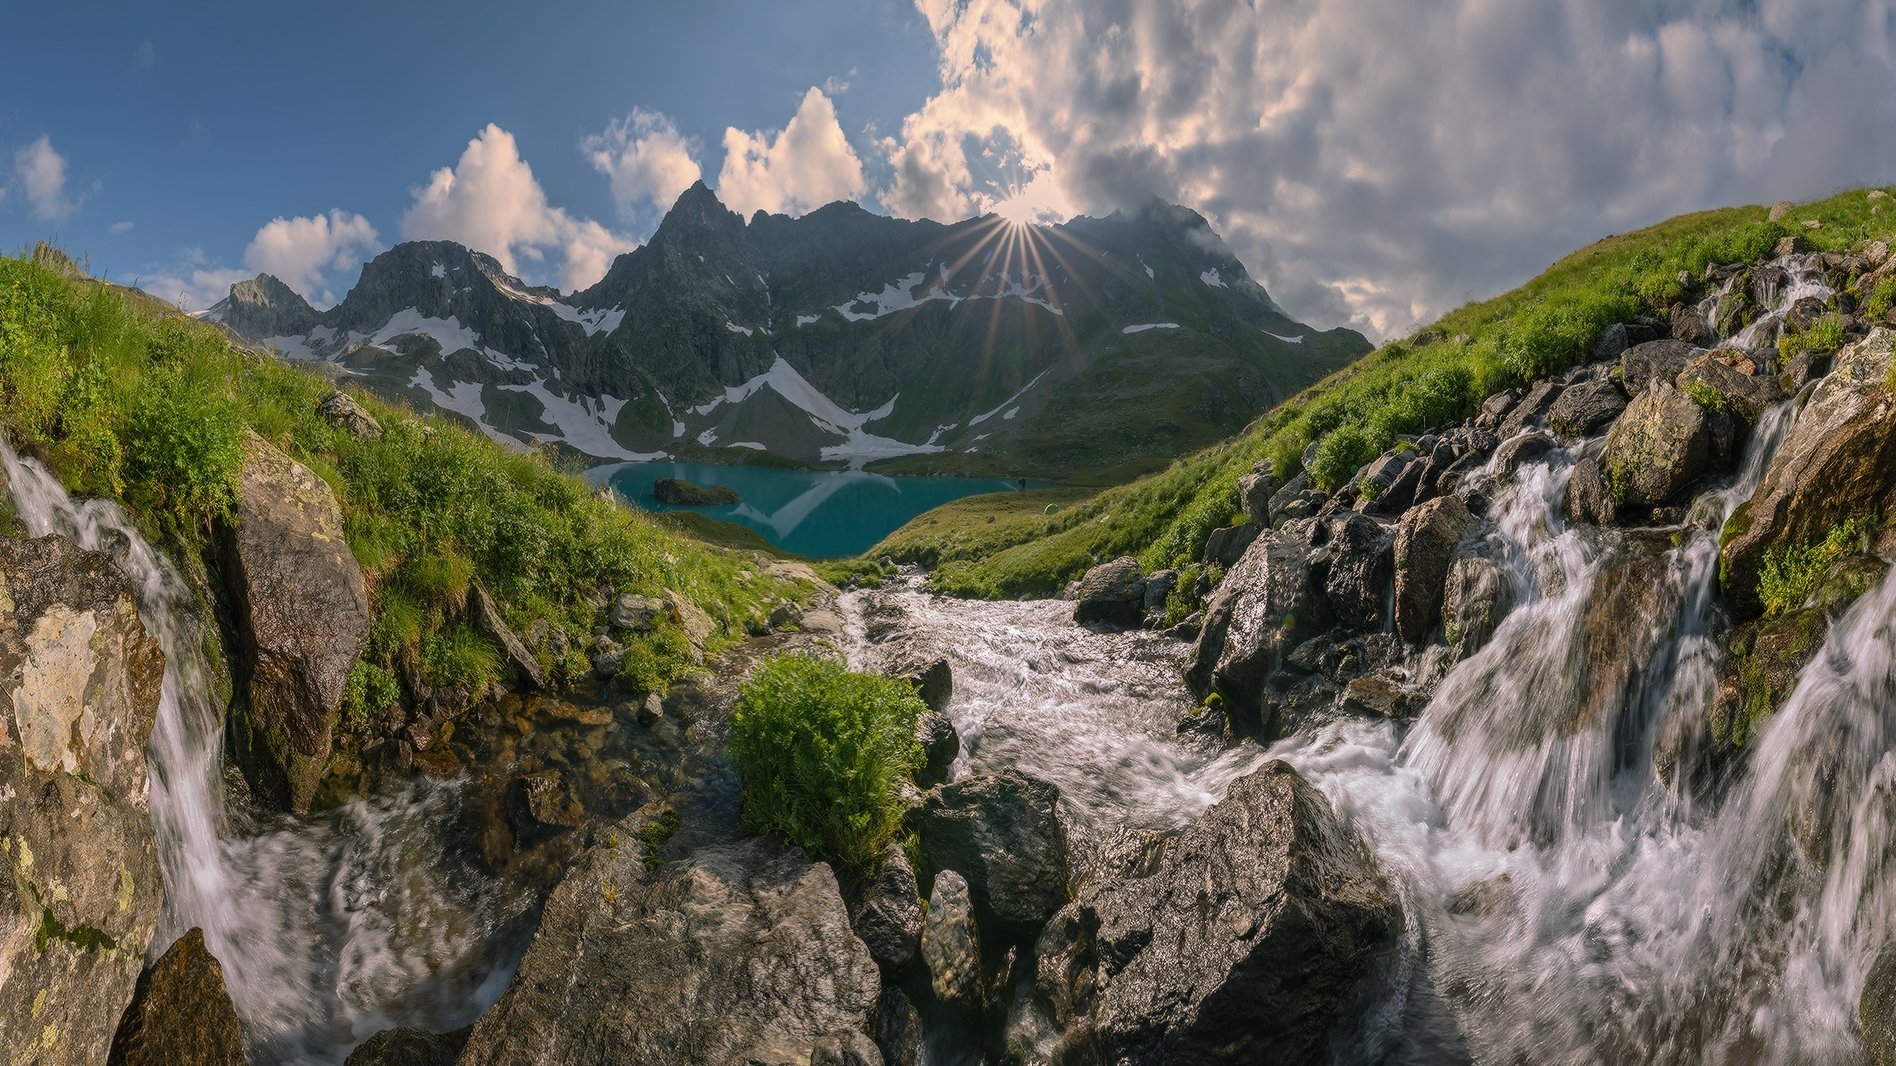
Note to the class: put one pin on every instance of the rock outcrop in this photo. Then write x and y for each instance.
(1838, 463)
(1241, 939)
(81, 892)
(1658, 448)
(182, 1014)
(1003, 833)
(1426, 541)
(1111, 594)
(1264, 606)
(740, 953)
(302, 615)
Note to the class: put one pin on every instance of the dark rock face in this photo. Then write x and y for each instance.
(1003, 833)
(740, 953)
(1227, 545)
(409, 1047)
(681, 493)
(1521, 450)
(1242, 939)
(1838, 462)
(1658, 448)
(899, 1034)
(1265, 605)
(302, 615)
(1358, 557)
(1589, 497)
(1531, 410)
(181, 1014)
(888, 917)
(934, 683)
(1654, 362)
(1688, 325)
(1426, 540)
(1583, 409)
(1111, 594)
(265, 307)
(940, 745)
(80, 889)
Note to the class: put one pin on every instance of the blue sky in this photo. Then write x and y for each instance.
(1373, 162)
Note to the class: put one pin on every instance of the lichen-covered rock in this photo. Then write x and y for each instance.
(1657, 449)
(1241, 939)
(302, 617)
(1837, 463)
(341, 410)
(80, 892)
(1688, 325)
(739, 953)
(951, 944)
(1111, 594)
(1584, 409)
(181, 1014)
(934, 683)
(1004, 834)
(1725, 383)
(1659, 361)
(1426, 540)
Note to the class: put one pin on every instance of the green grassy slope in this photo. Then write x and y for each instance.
(126, 398)
(1438, 377)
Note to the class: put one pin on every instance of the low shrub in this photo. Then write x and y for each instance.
(1790, 574)
(823, 753)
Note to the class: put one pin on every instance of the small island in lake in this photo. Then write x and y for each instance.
(681, 493)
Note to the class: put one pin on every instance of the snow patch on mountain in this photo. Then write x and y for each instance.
(1143, 326)
(1213, 278)
(1011, 401)
(1298, 339)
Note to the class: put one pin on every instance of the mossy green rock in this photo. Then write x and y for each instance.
(1838, 463)
(1658, 448)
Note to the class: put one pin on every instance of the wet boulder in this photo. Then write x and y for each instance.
(1876, 1008)
(1263, 607)
(1658, 448)
(887, 915)
(1837, 463)
(1654, 362)
(1475, 597)
(738, 953)
(951, 944)
(1379, 479)
(1426, 540)
(1520, 450)
(1586, 408)
(934, 682)
(80, 889)
(1241, 939)
(1628, 621)
(1590, 497)
(1003, 833)
(407, 1046)
(1356, 558)
(899, 1033)
(1111, 594)
(181, 1014)
(1531, 410)
(940, 743)
(302, 616)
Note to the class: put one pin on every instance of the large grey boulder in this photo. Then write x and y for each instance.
(1004, 834)
(740, 953)
(1265, 606)
(81, 891)
(302, 615)
(1654, 362)
(1731, 383)
(1112, 594)
(1837, 463)
(1426, 540)
(1658, 448)
(1255, 490)
(1243, 938)
(1585, 408)
(1356, 582)
(182, 1014)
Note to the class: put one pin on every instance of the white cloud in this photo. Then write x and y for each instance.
(1377, 161)
(490, 201)
(805, 165)
(305, 252)
(41, 173)
(119, 229)
(145, 57)
(647, 159)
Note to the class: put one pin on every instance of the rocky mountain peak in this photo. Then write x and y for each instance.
(265, 307)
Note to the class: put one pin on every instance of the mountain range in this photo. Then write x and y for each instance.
(1098, 348)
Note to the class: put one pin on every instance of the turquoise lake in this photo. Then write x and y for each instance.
(824, 514)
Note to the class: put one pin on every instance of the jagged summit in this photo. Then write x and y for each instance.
(836, 336)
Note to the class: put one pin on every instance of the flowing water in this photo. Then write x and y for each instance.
(1567, 904)
(328, 928)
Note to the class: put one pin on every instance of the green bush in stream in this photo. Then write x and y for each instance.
(823, 753)
(1790, 574)
(126, 398)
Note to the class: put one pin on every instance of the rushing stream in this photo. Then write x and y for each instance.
(1565, 904)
